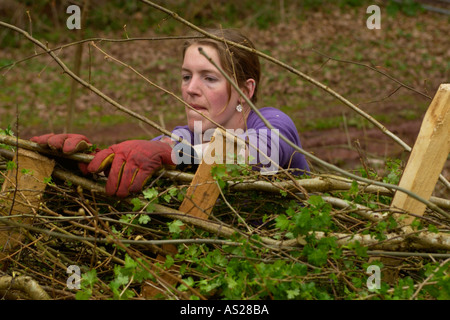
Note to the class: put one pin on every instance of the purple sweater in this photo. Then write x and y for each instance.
(267, 141)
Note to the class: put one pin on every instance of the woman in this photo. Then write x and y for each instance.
(211, 101)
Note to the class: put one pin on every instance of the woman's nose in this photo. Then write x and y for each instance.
(192, 87)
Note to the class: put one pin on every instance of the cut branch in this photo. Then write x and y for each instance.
(24, 284)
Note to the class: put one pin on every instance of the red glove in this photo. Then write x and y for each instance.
(131, 164)
(68, 143)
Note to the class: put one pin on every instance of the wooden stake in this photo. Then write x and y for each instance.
(202, 193)
(427, 157)
(22, 194)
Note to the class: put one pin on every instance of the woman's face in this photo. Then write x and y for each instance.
(205, 89)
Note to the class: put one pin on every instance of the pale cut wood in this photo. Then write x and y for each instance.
(427, 157)
(31, 171)
(202, 193)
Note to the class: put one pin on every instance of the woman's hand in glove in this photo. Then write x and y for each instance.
(68, 143)
(131, 164)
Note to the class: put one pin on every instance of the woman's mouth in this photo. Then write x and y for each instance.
(197, 107)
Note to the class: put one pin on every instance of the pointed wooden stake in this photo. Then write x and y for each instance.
(202, 193)
(427, 158)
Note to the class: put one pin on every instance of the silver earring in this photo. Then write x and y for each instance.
(239, 108)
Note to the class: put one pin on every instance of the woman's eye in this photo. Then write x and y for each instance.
(186, 77)
(210, 79)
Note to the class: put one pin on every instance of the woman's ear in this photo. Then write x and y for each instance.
(249, 89)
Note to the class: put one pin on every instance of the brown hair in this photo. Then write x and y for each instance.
(238, 63)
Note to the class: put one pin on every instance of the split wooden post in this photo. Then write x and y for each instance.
(427, 158)
(203, 191)
(22, 189)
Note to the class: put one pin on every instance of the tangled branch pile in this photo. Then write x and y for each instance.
(266, 239)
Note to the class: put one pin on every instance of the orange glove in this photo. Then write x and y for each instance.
(131, 164)
(68, 143)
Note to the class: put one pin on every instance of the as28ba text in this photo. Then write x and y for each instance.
(245, 309)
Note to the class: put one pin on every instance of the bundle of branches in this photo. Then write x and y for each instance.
(267, 238)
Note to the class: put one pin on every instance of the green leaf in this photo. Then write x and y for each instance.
(290, 211)
(432, 228)
(150, 207)
(354, 188)
(130, 263)
(122, 279)
(317, 257)
(150, 194)
(416, 224)
(169, 262)
(282, 222)
(11, 165)
(175, 226)
(83, 294)
(49, 181)
(90, 277)
(219, 171)
(316, 201)
(137, 204)
(167, 197)
(357, 282)
(231, 283)
(144, 219)
(291, 294)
